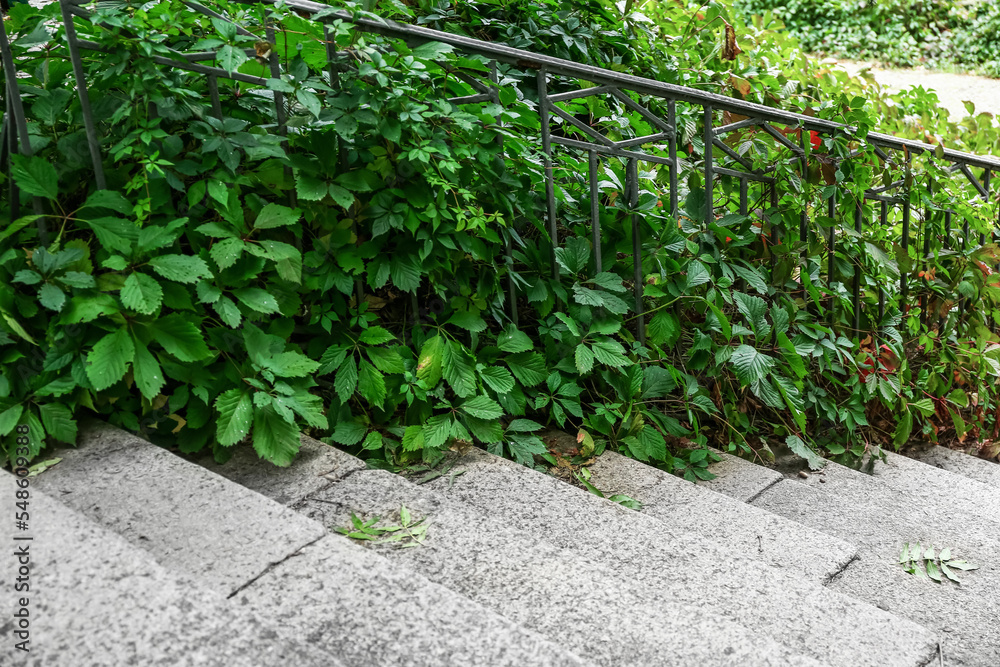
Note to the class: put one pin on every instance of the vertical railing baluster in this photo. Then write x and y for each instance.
(831, 211)
(595, 211)
(213, 91)
(804, 175)
(905, 242)
(550, 190)
(10, 137)
(279, 97)
(20, 122)
(708, 137)
(331, 57)
(744, 203)
(856, 286)
(509, 244)
(632, 186)
(883, 219)
(928, 229)
(674, 167)
(93, 143)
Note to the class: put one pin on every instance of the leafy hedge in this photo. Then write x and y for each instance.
(899, 32)
(347, 275)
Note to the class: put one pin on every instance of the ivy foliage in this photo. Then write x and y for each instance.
(338, 250)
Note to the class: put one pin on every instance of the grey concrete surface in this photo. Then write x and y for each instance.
(880, 521)
(960, 463)
(316, 465)
(96, 600)
(738, 478)
(190, 519)
(372, 612)
(597, 606)
(742, 528)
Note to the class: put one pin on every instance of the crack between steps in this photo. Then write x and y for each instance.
(840, 571)
(936, 658)
(271, 567)
(751, 499)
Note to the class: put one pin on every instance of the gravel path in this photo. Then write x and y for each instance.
(952, 89)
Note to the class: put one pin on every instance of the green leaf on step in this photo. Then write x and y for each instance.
(274, 438)
(803, 450)
(58, 422)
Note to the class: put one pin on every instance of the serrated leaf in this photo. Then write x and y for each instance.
(228, 312)
(35, 176)
(387, 360)
(348, 432)
(276, 215)
(609, 281)
(751, 276)
(497, 378)
(226, 252)
(375, 336)
(663, 329)
(275, 439)
(610, 352)
(437, 430)
(750, 364)
(180, 338)
(343, 197)
(141, 293)
(458, 368)
(235, 414)
(468, 320)
(584, 359)
(346, 381)
(371, 384)
(257, 299)
(9, 419)
(697, 274)
(413, 439)
(482, 407)
(513, 340)
(291, 364)
(525, 448)
(430, 360)
(801, 449)
(52, 297)
(108, 360)
(185, 269)
(58, 421)
(527, 367)
(147, 372)
(524, 426)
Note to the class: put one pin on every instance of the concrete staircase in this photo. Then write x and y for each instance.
(147, 558)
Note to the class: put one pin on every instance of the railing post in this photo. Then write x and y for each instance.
(856, 287)
(905, 242)
(883, 221)
(595, 210)
(672, 122)
(708, 138)
(831, 211)
(550, 190)
(632, 185)
(93, 143)
(20, 124)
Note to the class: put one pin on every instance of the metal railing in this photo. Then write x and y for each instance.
(677, 115)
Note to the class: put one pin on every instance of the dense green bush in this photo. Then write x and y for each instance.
(898, 32)
(347, 274)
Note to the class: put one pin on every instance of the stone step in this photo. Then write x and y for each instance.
(612, 620)
(960, 463)
(668, 562)
(331, 594)
(880, 520)
(742, 528)
(96, 599)
(738, 478)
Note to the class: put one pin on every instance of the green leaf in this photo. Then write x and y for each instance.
(497, 378)
(108, 199)
(610, 352)
(609, 281)
(750, 364)
(291, 364)
(346, 381)
(373, 441)
(226, 252)
(524, 426)
(77, 279)
(405, 272)
(141, 293)
(235, 413)
(584, 359)
(803, 450)
(58, 422)
(375, 336)
(468, 320)
(512, 340)
(525, 448)
(430, 360)
(231, 57)
(257, 299)
(275, 439)
(180, 338)
(371, 384)
(754, 309)
(484, 430)
(697, 274)
(387, 360)
(482, 407)
(903, 430)
(52, 297)
(185, 269)
(343, 198)
(146, 371)
(751, 276)
(664, 329)
(228, 312)
(458, 368)
(276, 215)
(348, 432)
(9, 419)
(437, 430)
(413, 439)
(35, 176)
(114, 233)
(527, 367)
(108, 361)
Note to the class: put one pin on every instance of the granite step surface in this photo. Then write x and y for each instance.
(960, 463)
(741, 528)
(95, 599)
(668, 561)
(880, 520)
(326, 592)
